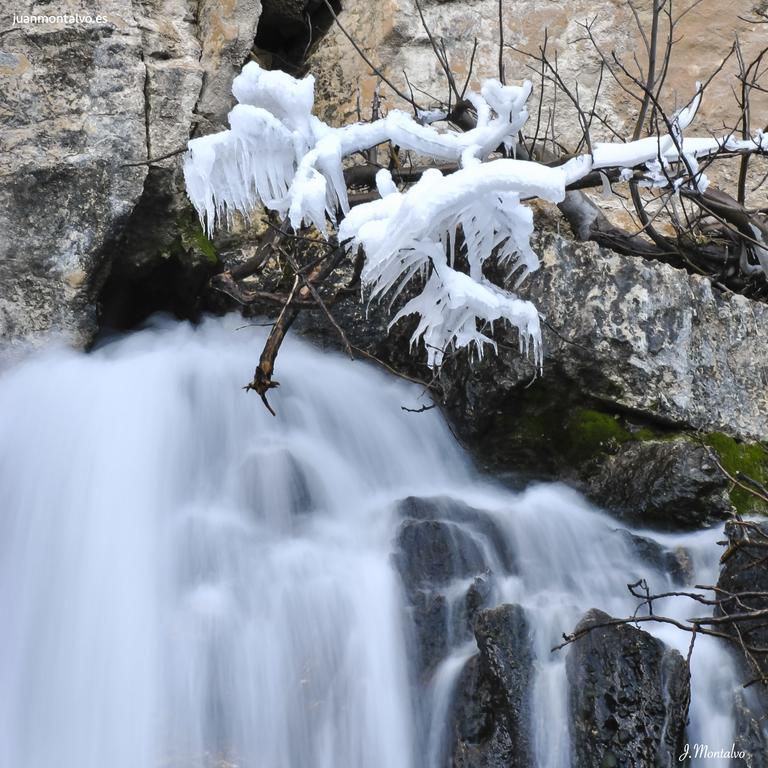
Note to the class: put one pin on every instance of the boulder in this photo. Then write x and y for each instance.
(676, 563)
(478, 520)
(637, 357)
(628, 697)
(433, 552)
(662, 484)
(624, 337)
(492, 703)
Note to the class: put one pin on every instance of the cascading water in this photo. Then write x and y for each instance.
(187, 581)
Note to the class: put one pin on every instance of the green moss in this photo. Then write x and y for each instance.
(192, 243)
(591, 432)
(750, 459)
(204, 245)
(548, 429)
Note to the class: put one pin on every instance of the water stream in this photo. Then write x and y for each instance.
(186, 581)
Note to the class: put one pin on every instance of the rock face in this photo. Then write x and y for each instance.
(492, 707)
(628, 697)
(81, 105)
(391, 34)
(72, 100)
(640, 337)
(638, 356)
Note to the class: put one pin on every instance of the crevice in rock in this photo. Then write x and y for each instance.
(146, 106)
(288, 29)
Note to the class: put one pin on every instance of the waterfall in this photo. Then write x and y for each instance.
(186, 580)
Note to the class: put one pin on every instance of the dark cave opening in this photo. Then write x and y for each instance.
(160, 262)
(289, 28)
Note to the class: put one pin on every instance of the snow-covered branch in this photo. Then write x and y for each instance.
(279, 155)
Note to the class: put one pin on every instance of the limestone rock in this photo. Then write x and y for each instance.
(628, 697)
(391, 34)
(81, 105)
(73, 110)
(629, 336)
(227, 31)
(637, 356)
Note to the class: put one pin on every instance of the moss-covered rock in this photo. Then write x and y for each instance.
(192, 243)
(745, 462)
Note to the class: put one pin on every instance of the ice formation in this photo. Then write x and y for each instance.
(277, 154)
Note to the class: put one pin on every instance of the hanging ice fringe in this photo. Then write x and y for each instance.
(279, 155)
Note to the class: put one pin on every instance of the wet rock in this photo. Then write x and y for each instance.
(750, 737)
(666, 484)
(492, 703)
(477, 520)
(744, 570)
(628, 697)
(674, 562)
(430, 555)
(446, 553)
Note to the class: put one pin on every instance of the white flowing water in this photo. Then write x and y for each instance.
(187, 581)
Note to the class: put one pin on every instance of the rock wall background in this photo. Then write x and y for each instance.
(392, 35)
(80, 107)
